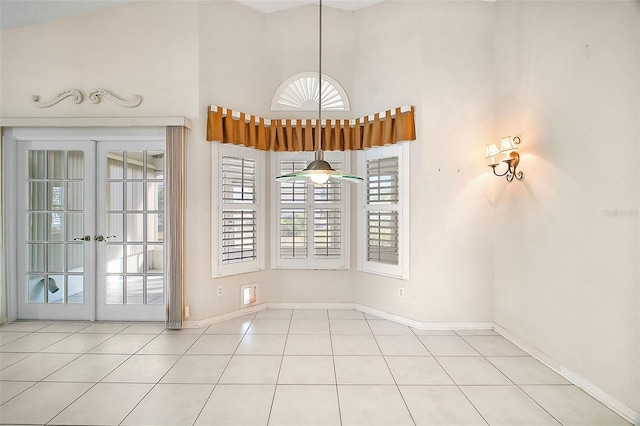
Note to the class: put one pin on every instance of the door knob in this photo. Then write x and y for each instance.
(101, 238)
(85, 238)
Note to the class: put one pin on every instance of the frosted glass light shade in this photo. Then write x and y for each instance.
(319, 172)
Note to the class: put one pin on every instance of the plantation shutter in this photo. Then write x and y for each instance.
(239, 210)
(382, 193)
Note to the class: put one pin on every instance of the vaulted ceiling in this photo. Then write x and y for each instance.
(20, 13)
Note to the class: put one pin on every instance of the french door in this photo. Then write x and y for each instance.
(90, 230)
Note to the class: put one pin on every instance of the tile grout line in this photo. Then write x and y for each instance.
(275, 389)
(224, 369)
(335, 372)
(161, 333)
(509, 379)
(391, 373)
(453, 381)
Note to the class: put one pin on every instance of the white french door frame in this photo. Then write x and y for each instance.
(12, 137)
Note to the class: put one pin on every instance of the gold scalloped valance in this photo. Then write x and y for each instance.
(238, 128)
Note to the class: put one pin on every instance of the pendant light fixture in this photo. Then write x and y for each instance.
(319, 171)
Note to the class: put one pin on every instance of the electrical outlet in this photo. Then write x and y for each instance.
(401, 291)
(220, 290)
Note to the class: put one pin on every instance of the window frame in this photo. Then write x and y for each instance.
(402, 207)
(310, 261)
(218, 205)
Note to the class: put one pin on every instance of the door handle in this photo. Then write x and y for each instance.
(101, 238)
(85, 238)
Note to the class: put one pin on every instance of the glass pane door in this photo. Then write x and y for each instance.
(131, 252)
(56, 220)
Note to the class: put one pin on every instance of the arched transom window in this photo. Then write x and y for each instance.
(300, 93)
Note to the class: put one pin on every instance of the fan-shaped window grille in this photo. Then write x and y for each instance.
(300, 93)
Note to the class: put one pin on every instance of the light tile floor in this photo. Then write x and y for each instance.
(279, 367)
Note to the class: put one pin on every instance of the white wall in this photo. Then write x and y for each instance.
(438, 57)
(139, 48)
(566, 245)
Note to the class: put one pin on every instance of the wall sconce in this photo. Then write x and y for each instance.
(512, 158)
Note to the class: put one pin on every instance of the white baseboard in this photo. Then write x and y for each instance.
(224, 317)
(480, 325)
(626, 412)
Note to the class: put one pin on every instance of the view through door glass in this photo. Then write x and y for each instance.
(55, 229)
(133, 245)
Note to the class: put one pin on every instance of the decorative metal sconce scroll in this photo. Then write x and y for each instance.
(512, 158)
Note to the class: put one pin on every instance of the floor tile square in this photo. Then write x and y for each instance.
(170, 404)
(402, 345)
(49, 398)
(362, 370)
(194, 331)
(418, 332)
(526, 371)
(88, 368)
(310, 370)
(448, 346)
(9, 390)
(305, 405)
(573, 407)
(145, 328)
(142, 369)
(308, 344)
(262, 344)
(169, 344)
(215, 345)
(417, 370)
(232, 326)
(252, 369)
(228, 404)
(104, 404)
(36, 367)
(274, 314)
(362, 344)
(197, 369)
(33, 342)
(25, 326)
(472, 371)
(109, 328)
(78, 343)
(10, 336)
(65, 327)
(269, 326)
(389, 328)
(372, 406)
(309, 326)
(310, 314)
(349, 326)
(125, 344)
(345, 314)
(494, 346)
(10, 358)
(439, 406)
(507, 406)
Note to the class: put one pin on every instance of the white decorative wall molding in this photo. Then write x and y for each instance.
(95, 97)
(97, 94)
(76, 96)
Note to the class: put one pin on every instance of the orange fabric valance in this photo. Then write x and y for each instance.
(389, 127)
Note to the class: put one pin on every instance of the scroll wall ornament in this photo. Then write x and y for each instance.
(95, 96)
(77, 96)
